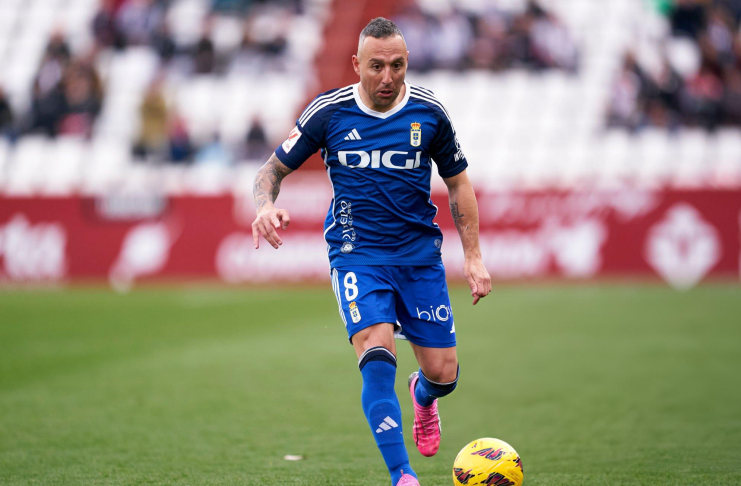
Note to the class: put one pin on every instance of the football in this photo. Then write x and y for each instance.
(488, 461)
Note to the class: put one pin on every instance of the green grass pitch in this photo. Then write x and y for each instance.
(593, 385)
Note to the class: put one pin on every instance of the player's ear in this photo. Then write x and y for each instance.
(356, 64)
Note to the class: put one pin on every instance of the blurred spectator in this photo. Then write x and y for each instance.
(163, 43)
(687, 18)
(623, 110)
(264, 45)
(54, 63)
(136, 20)
(231, 6)
(68, 94)
(732, 98)
(720, 34)
(105, 32)
(708, 97)
(552, 45)
(491, 47)
(733, 7)
(669, 85)
(492, 39)
(450, 40)
(48, 105)
(83, 95)
(704, 96)
(180, 147)
(204, 52)
(417, 28)
(6, 116)
(214, 153)
(153, 134)
(256, 143)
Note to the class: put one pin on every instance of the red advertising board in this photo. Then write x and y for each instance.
(683, 237)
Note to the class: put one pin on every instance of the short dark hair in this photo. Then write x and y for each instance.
(379, 28)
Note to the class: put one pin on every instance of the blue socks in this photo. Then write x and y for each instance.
(382, 409)
(427, 391)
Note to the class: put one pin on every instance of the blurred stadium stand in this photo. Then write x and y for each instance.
(595, 129)
(94, 88)
(555, 94)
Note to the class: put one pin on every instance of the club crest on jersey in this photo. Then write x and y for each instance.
(354, 312)
(347, 247)
(416, 134)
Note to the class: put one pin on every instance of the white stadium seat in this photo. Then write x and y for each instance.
(4, 155)
(25, 170)
(62, 171)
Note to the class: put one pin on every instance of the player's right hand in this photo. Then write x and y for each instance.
(267, 223)
(478, 278)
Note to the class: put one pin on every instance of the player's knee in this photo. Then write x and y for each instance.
(440, 387)
(378, 335)
(442, 372)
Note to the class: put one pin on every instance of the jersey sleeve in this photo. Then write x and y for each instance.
(445, 149)
(302, 143)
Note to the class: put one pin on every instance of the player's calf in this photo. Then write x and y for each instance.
(382, 410)
(427, 391)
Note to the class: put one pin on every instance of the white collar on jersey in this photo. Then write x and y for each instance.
(379, 114)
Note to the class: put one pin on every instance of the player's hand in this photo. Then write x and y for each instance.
(267, 223)
(478, 278)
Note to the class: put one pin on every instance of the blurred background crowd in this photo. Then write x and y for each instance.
(220, 82)
(448, 36)
(697, 80)
(68, 91)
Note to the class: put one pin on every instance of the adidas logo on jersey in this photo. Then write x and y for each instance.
(354, 135)
(387, 424)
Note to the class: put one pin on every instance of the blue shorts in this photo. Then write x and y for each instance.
(414, 298)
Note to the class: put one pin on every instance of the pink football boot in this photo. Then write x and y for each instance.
(426, 430)
(407, 480)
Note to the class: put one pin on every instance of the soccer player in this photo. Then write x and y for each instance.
(378, 139)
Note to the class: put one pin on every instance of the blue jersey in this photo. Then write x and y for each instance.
(380, 166)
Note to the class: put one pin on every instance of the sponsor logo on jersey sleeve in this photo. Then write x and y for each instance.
(416, 134)
(459, 152)
(292, 139)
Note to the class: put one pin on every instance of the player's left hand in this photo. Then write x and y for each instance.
(478, 278)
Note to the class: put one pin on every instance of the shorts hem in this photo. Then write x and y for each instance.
(401, 262)
(427, 344)
(373, 322)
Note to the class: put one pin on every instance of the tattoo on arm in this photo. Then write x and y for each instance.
(457, 215)
(267, 181)
(458, 218)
